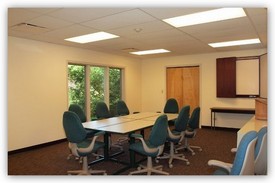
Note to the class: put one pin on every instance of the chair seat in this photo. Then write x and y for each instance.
(175, 140)
(86, 144)
(138, 147)
(90, 133)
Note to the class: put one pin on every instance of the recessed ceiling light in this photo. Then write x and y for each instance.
(98, 36)
(206, 17)
(147, 52)
(235, 43)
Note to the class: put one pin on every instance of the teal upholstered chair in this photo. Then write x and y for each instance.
(152, 147)
(121, 108)
(191, 131)
(177, 135)
(244, 160)
(102, 111)
(79, 145)
(171, 106)
(80, 113)
(261, 152)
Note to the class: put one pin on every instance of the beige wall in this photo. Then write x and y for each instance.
(37, 88)
(154, 86)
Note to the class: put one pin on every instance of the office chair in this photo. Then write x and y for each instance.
(102, 111)
(171, 106)
(121, 108)
(152, 147)
(79, 145)
(193, 125)
(244, 160)
(90, 133)
(80, 113)
(261, 152)
(176, 136)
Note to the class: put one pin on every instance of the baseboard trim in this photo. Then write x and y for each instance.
(220, 128)
(36, 146)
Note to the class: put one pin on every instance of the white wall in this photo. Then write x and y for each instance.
(154, 86)
(37, 88)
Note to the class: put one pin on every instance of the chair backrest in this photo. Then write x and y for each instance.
(159, 131)
(244, 159)
(121, 108)
(183, 118)
(79, 111)
(102, 110)
(73, 127)
(171, 106)
(261, 152)
(194, 121)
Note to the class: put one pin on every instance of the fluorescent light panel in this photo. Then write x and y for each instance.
(98, 36)
(235, 43)
(147, 52)
(206, 17)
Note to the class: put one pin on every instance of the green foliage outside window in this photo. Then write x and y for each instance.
(76, 82)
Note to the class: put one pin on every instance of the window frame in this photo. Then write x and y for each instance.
(106, 84)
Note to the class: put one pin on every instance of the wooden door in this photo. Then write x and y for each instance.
(182, 83)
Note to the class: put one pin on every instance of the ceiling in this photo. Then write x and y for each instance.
(138, 28)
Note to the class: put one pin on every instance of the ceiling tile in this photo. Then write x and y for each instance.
(119, 20)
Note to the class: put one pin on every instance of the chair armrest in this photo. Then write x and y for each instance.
(173, 136)
(92, 144)
(136, 135)
(234, 150)
(99, 133)
(226, 166)
(145, 147)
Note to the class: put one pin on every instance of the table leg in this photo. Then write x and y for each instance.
(106, 148)
(211, 119)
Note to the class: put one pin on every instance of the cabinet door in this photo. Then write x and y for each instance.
(226, 77)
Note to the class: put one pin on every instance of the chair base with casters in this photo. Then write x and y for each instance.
(189, 133)
(86, 169)
(149, 169)
(172, 155)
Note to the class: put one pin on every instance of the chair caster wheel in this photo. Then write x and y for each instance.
(139, 168)
(156, 160)
(170, 166)
(200, 150)
(187, 163)
(193, 153)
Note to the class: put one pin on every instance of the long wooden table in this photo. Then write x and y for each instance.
(125, 125)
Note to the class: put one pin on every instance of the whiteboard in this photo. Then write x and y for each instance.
(247, 74)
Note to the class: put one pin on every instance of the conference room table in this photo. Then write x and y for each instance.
(125, 125)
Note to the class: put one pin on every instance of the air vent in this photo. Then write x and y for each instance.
(29, 28)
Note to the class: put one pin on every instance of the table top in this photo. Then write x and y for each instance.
(126, 124)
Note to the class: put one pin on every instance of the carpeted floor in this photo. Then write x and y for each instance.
(52, 160)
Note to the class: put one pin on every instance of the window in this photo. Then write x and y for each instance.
(100, 83)
(76, 84)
